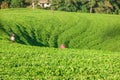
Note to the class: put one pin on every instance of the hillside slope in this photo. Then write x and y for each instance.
(51, 29)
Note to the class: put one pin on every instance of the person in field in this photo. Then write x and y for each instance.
(62, 46)
(12, 38)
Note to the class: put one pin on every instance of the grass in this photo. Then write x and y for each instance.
(92, 42)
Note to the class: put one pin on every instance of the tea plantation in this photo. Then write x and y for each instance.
(92, 45)
(23, 62)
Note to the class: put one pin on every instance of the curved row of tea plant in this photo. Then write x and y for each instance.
(51, 29)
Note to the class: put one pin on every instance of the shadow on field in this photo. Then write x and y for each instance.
(22, 36)
(112, 32)
(29, 37)
(2, 28)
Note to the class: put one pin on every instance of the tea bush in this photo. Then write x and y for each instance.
(42, 63)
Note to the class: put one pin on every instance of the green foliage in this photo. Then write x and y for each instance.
(84, 8)
(91, 6)
(15, 3)
(41, 28)
(75, 30)
(29, 62)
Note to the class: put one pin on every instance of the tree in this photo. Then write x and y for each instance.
(15, 3)
(9, 2)
(108, 6)
(65, 5)
(71, 5)
(92, 6)
(1, 2)
(92, 3)
(116, 6)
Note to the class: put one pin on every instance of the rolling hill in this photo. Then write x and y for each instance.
(92, 45)
(51, 29)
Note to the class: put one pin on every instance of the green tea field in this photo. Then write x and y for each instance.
(92, 44)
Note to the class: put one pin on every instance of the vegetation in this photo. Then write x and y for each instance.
(39, 63)
(37, 32)
(75, 30)
(92, 6)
